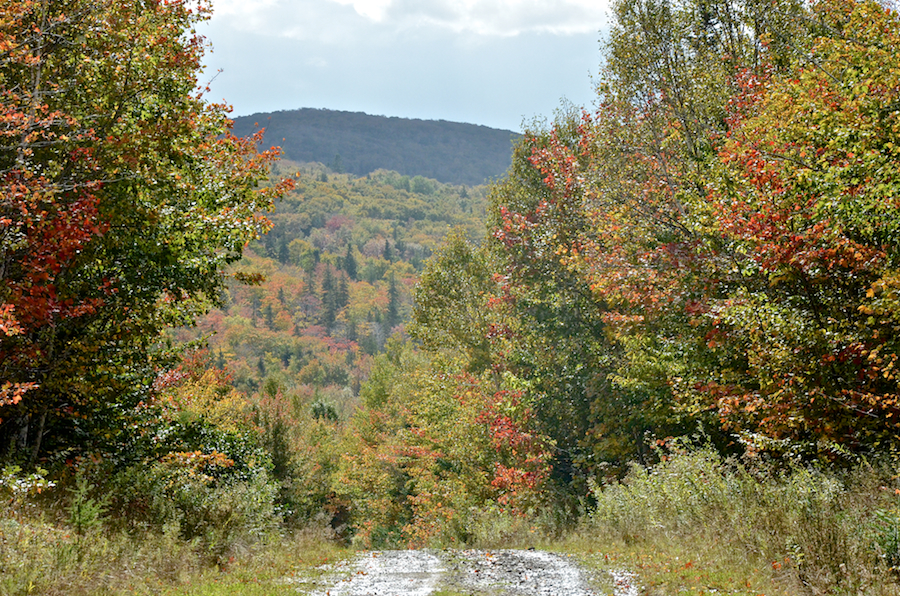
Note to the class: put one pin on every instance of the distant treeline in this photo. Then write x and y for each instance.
(357, 143)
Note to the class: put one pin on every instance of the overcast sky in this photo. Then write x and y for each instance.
(490, 62)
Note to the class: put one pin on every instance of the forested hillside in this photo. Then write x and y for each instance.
(335, 279)
(666, 338)
(358, 143)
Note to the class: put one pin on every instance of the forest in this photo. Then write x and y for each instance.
(666, 339)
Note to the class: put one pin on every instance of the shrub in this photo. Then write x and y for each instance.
(200, 496)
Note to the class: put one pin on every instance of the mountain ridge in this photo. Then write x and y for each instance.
(360, 143)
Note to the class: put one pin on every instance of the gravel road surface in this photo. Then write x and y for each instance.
(470, 572)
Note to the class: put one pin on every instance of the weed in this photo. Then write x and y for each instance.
(886, 528)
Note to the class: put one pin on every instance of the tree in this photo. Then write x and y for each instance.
(123, 198)
(337, 164)
(342, 293)
(555, 334)
(808, 201)
(731, 208)
(350, 266)
(284, 254)
(330, 304)
(602, 231)
(451, 302)
(431, 446)
(392, 316)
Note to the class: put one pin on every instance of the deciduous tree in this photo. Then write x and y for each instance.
(809, 205)
(123, 196)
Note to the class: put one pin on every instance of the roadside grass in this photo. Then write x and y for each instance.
(698, 523)
(694, 524)
(670, 569)
(38, 557)
(88, 536)
(283, 566)
(494, 528)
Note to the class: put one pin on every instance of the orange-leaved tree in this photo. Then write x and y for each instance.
(122, 196)
(808, 203)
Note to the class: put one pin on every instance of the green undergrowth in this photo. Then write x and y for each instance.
(698, 523)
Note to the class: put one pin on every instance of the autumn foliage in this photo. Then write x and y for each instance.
(739, 254)
(123, 197)
(710, 251)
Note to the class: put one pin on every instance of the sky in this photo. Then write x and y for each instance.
(498, 63)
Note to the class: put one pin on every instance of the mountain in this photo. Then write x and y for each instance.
(358, 143)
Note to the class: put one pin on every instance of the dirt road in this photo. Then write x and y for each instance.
(469, 572)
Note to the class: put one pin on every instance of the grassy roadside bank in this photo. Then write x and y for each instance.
(698, 523)
(37, 557)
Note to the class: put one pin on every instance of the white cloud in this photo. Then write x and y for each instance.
(372, 9)
(334, 20)
(502, 17)
(312, 20)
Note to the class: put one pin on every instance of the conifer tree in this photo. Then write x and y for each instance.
(392, 316)
(350, 266)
